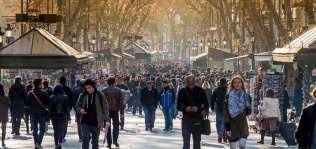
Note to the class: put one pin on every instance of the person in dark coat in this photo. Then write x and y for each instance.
(306, 129)
(47, 87)
(5, 104)
(59, 113)
(76, 95)
(137, 88)
(68, 92)
(286, 103)
(17, 95)
(149, 98)
(218, 98)
(190, 100)
(27, 111)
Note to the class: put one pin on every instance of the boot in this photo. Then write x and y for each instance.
(262, 132)
(3, 138)
(273, 138)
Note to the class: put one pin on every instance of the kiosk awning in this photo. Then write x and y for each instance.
(199, 56)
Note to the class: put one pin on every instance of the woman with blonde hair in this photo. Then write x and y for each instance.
(271, 113)
(237, 105)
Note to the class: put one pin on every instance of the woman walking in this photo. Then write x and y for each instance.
(5, 104)
(59, 113)
(207, 88)
(27, 111)
(237, 105)
(271, 113)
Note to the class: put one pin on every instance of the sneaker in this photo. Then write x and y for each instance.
(59, 146)
(219, 138)
(225, 141)
(17, 134)
(146, 129)
(64, 140)
(165, 129)
(170, 128)
(151, 129)
(116, 144)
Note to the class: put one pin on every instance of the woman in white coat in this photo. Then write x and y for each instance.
(271, 113)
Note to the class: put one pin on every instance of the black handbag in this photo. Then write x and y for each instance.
(206, 127)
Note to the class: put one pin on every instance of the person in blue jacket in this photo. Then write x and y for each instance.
(298, 97)
(167, 100)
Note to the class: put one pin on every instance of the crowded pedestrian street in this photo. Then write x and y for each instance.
(134, 136)
(157, 74)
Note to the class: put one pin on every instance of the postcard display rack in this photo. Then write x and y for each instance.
(256, 94)
(274, 81)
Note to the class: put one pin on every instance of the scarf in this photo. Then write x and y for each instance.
(237, 103)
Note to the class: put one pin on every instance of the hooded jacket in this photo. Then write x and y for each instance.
(218, 97)
(17, 95)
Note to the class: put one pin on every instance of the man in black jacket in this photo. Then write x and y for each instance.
(137, 88)
(38, 111)
(218, 98)
(76, 95)
(68, 92)
(190, 100)
(149, 98)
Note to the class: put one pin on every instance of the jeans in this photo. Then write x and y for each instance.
(16, 122)
(27, 120)
(86, 131)
(298, 111)
(65, 130)
(150, 113)
(41, 120)
(220, 124)
(78, 117)
(115, 118)
(186, 134)
(168, 113)
(130, 102)
(137, 104)
(58, 121)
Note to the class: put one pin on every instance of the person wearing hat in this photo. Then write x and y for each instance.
(94, 109)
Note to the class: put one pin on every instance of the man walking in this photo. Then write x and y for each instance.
(167, 100)
(76, 95)
(137, 88)
(102, 83)
(190, 100)
(125, 94)
(38, 101)
(17, 96)
(94, 110)
(68, 92)
(218, 98)
(298, 97)
(115, 100)
(149, 98)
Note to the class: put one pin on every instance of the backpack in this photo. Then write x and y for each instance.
(166, 99)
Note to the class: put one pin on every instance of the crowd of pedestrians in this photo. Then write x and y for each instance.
(100, 104)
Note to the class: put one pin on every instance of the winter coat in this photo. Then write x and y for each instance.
(298, 96)
(237, 125)
(102, 110)
(218, 98)
(68, 92)
(305, 130)
(59, 105)
(149, 98)
(17, 95)
(5, 104)
(35, 106)
(188, 98)
(270, 108)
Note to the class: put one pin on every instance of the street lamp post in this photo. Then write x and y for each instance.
(238, 41)
(105, 41)
(215, 43)
(93, 42)
(224, 42)
(74, 38)
(201, 45)
(253, 50)
(8, 32)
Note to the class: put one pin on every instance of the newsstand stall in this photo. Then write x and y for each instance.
(38, 54)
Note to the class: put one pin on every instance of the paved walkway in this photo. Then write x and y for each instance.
(134, 136)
